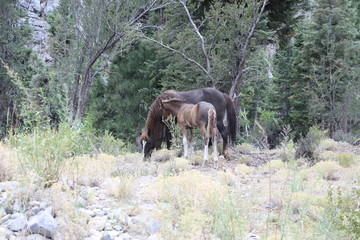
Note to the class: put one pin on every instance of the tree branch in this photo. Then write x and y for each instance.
(245, 47)
(183, 55)
(206, 55)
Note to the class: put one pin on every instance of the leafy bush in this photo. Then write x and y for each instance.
(245, 148)
(44, 151)
(342, 136)
(328, 170)
(229, 221)
(346, 159)
(306, 146)
(108, 144)
(344, 211)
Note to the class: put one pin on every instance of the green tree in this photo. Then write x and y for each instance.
(14, 58)
(120, 102)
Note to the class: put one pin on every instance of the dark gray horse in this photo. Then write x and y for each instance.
(156, 132)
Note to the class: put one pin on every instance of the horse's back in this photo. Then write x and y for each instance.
(203, 110)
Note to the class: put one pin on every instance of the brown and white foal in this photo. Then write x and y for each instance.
(189, 116)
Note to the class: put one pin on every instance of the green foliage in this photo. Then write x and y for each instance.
(14, 56)
(120, 102)
(328, 62)
(229, 222)
(346, 159)
(44, 151)
(176, 141)
(306, 145)
(108, 144)
(344, 211)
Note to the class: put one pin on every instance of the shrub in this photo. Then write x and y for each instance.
(306, 146)
(162, 155)
(45, 150)
(328, 170)
(229, 221)
(120, 187)
(328, 144)
(342, 136)
(245, 148)
(243, 169)
(287, 150)
(346, 159)
(273, 165)
(244, 160)
(301, 201)
(226, 178)
(108, 144)
(344, 210)
(90, 170)
(8, 163)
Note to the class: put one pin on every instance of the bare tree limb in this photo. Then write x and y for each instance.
(245, 47)
(206, 55)
(183, 55)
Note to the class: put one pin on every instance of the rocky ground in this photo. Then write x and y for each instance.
(122, 197)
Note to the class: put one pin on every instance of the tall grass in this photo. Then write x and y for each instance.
(44, 150)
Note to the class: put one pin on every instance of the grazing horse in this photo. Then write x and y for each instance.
(156, 132)
(189, 116)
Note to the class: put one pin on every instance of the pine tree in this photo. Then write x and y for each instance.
(120, 103)
(327, 65)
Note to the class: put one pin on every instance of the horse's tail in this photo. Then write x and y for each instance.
(231, 118)
(211, 126)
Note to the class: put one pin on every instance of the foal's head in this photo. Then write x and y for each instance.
(171, 106)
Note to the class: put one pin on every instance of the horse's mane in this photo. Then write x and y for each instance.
(154, 117)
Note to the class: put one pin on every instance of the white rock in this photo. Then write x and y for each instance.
(36, 237)
(43, 224)
(97, 223)
(18, 223)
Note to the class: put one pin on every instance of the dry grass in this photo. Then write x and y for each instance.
(243, 170)
(193, 202)
(121, 188)
(89, 170)
(329, 170)
(246, 148)
(9, 164)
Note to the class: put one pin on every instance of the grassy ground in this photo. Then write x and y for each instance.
(256, 192)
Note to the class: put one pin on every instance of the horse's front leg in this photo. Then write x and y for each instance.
(191, 140)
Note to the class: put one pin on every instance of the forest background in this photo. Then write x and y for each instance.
(284, 62)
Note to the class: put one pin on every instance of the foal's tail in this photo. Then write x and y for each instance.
(211, 126)
(231, 118)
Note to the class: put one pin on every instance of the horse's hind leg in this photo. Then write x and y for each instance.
(191, 141)
(206, 144)
(224, 134)
(215, 149)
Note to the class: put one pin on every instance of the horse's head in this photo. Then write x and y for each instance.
(147, 144)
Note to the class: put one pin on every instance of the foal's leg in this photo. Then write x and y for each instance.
(215, 148)
(185, 142)
(191, 141)
(206, 144)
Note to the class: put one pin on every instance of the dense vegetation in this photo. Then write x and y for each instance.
(286, 63)
(68, 122)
